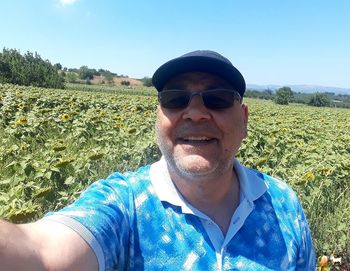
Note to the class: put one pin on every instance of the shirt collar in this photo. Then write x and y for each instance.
(252, 184)
(162, 183)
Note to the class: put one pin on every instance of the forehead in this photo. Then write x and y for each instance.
(198, 80)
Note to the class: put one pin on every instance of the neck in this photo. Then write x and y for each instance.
(217, 197)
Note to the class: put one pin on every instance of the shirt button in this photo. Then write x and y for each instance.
(236, 220)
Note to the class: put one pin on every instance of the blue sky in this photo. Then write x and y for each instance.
(270, 41)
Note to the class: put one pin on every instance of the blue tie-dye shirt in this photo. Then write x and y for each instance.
(139, 221)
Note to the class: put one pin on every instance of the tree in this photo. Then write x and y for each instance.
(268, 94)
(58, 66)
(5, 72)
(85, 73)
(147, 81)
(284, 95)
(319, 99)
(125, 83)
(109, 77)
(104, 72)
(29, 69)
(71, 77)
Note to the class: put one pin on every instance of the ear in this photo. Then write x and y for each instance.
(245, 115)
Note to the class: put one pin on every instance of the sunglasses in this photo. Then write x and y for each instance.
(212, 99)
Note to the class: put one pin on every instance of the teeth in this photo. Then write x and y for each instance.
(199, 138)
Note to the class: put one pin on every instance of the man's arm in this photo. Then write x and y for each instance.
(44, 245)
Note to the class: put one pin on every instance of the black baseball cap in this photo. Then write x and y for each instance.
(200, 61)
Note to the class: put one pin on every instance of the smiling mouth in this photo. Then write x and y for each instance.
(197, 140)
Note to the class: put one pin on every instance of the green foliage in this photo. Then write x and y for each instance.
(319, 100)
(28, 69)
(58, 66)
(109, 77)
(335, 100)
(5, 71)
(85, 73)
(116, 90)
(284, 96)
(71, 77)
(267, 94)
(147, 81)
(104, 72)
(54, 143)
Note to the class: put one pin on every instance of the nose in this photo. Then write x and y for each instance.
(196, 110)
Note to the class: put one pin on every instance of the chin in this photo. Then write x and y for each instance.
(195, 165)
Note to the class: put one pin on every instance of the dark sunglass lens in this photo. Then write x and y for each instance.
(174, 99)
(218, 99)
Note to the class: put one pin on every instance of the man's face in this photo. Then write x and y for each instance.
(197, 141)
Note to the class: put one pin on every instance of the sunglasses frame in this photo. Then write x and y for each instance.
(190, 95)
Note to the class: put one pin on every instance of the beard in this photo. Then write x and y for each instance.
(191, 165)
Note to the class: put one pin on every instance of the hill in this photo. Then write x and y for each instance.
(117, 81)
(302, 88)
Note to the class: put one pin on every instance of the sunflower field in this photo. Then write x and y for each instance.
(56, 142)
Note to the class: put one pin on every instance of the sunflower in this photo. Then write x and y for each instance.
(118, 125)
(65, 117)
(21, 106)
(22, 120)
(309, 176)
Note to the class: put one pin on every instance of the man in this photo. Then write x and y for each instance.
(197, 208)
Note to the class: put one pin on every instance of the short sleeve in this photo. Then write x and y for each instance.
(102, 216)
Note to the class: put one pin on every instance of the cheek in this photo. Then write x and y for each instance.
(164, 124)
(234, 129)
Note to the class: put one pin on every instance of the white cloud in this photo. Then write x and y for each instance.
(67, 2)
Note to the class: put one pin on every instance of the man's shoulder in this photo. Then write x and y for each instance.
(275, 187)
(140, 173)
(276, 183)
(280, 192)
(138, 179)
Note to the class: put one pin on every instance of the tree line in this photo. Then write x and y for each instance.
(28, 69)
(73, 75)
(286, 95)
(31, 69)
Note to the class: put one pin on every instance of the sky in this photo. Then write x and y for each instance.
(283, 42)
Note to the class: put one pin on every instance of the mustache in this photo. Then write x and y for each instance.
(186, 129)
